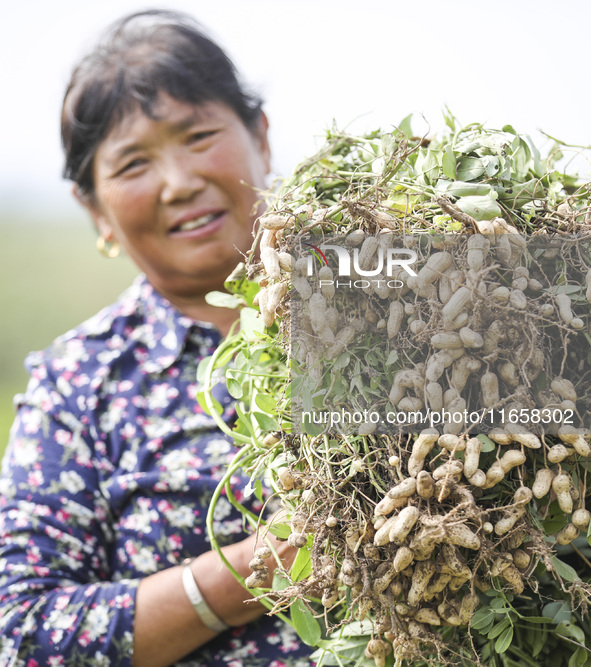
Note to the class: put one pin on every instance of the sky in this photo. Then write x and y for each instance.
(361, 64)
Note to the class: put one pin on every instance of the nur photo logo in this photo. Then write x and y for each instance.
(386, 265)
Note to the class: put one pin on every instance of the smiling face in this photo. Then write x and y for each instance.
(178, 193)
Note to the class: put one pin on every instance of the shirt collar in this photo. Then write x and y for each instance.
(165, 329)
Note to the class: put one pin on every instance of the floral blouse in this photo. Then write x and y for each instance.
(107, 478)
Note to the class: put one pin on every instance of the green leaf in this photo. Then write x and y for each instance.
(523, 193)
(343, 652)
(491, 165)
(430, 167)
(243, 420)
(558, 611)
(280, 530)
(225, 356)
(216, 404)
(393, 358)
(520, 163)
(554, 524)
(405, 126)
(448, 163)
(487, 444)
(480, 207)
(539, 168)
(306, 396)
(499, 628)
(356, 629)
(265, 422)
(302, 565)
(389, 143)
(498, 604)
(450, 119)
(464, 189)
(236, 282)
(202, 369)
(305, 624)
(342, 361)
(234, 387)
(521, 158)
(296, 384)
(258, 490)
(251, 323)
(280, 581)
(241, 361)
(266, 403)
(504, 641)
(572, 290)
(578, 658)
(563, 570)
(469, 168)
(539, 642)
(571, 630)
(223, 300)
(482, 618)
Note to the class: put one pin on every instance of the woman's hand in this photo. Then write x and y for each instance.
(166, 625)
(239, 555)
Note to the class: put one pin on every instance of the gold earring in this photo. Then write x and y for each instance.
(107, 248)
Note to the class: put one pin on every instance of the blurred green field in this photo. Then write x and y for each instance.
(51, 279)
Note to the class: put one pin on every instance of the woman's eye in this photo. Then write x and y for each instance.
(200, 136)
(138, 162)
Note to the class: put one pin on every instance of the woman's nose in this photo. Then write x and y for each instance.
(181, 179)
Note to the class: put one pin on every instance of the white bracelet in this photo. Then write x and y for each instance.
(207, 616)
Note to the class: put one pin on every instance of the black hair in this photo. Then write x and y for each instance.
(139, 57)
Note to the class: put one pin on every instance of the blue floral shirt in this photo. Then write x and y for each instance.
(107, 479)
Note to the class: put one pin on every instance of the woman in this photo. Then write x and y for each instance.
(111, 463)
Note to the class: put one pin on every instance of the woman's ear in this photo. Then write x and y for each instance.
(90, 204)
(262, 135)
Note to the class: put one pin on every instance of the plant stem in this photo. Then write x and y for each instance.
(208, 397)
(232, 468)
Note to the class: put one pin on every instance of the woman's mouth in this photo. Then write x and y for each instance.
(197, 223)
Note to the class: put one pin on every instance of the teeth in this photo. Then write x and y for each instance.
(198, 222)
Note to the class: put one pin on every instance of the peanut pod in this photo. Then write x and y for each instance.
(580, 518)
(564, 388)
(563, 301)
(425, 485)
(395, 318)
(421, 447)
(275, 221)
(512, 514)
(472, 457)
(403, 524)
(422, 573)
(543, 482)
(326, 282)
(451, 442)
(458, 303)
(461, 535)
(270, 260)
(366, 253)
(302, 286)
(561, 487)
(575, 439)
(489, 384)
(569, 533)
(434, 267)
(471, 339)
